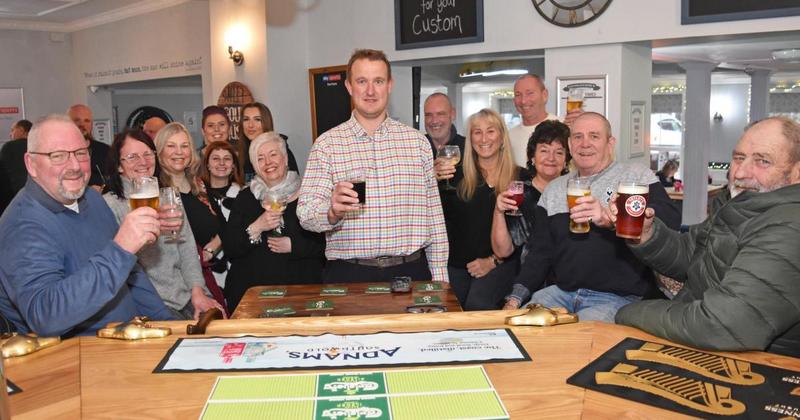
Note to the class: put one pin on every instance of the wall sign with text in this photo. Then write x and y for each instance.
(433, 23)
(704, 11)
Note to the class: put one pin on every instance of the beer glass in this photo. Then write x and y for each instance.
(145, 193)
(359, 180)
(170, 197)
(453, 154)
(577, 188)
(631, 202)
(574, 99)
(517, 188)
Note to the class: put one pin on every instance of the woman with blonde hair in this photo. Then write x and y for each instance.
(180, 164)
(478, 277)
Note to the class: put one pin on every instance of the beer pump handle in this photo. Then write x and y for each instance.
(205, 319)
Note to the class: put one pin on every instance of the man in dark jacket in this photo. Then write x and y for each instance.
(740, 267)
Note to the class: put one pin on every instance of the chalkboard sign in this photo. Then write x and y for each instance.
(432, 23)
(703, 11)
(330, 101)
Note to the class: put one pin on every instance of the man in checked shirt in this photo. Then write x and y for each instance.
(396, 228)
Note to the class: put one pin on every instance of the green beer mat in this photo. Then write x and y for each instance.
(459, 392)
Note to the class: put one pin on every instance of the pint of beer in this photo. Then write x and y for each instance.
(577, 188)
(145, 193)
(574, 99)
(631, 203)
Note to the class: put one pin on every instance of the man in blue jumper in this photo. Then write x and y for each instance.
(67, 268)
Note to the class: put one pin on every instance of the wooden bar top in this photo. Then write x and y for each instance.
(116, 379)
(355, 302)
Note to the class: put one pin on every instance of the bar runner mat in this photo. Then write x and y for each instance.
(692, 382)
(332, 351)
(454, 393)
(11, 387)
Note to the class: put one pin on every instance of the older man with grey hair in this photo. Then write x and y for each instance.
(741, 266)
(68, 268)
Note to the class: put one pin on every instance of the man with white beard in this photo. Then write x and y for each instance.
(67, 268)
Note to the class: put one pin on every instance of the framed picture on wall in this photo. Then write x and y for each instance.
(637, 121)
(705, 11)
(593, 88)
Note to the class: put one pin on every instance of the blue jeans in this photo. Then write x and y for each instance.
(590, 305)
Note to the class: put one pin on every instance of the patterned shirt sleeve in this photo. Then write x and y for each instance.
(437, 251)
(316, 191)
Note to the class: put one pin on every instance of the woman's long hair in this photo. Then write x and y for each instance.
(505, 170)
(237, 174)
(267, 124)
(165, 179)
(114, 160)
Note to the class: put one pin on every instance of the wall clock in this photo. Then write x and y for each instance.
(570, 13)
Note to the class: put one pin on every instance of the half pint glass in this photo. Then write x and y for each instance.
(631, 203)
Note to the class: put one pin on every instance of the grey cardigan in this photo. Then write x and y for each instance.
(174, 269)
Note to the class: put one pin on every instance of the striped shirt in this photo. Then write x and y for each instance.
(402, 212)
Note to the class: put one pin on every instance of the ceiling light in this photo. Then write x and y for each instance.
(791, 55)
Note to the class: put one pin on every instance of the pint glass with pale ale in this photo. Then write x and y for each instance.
(145, 193)
(631, 203)
(574, 99)
(577, 188)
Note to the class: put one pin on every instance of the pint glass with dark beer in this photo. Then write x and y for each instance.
(145, 193)
(577, 188)
(631, 202)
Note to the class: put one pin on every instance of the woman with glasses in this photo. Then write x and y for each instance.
(257, 119)
(179, 167)
(173, 268)
(263, 237)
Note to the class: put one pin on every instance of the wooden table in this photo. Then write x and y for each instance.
(355, 302)
(712, 191)
(50, 382)
(116, 379)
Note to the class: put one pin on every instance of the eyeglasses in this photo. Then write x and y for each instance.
(60, 157)
(135, 157)
(425, 309)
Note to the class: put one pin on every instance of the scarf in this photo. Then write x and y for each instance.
(289, 187)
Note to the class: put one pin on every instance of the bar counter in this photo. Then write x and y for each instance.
(91, 378)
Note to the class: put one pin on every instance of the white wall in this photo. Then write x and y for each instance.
(171, 42)
(40, 66)
(336, 27)
(731, 101)
(287, 94)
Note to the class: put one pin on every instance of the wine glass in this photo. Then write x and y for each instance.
(517, 189)
(276, 201)
(453, 154)
(170, 198)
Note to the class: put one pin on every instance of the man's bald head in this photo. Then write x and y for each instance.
(81, 115)
(152, 125)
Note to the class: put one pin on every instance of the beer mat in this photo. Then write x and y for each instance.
(428, 287)
(333, 351)
(378, 289)
(11, 387)
(459, 392)
(427, 300)
(281, 310)
(333, 291)
(272, 293)
(692, 382)
(319, 305)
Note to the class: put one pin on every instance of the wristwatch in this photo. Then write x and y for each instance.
(495, 260)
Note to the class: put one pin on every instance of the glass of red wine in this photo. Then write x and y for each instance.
(517, 189)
